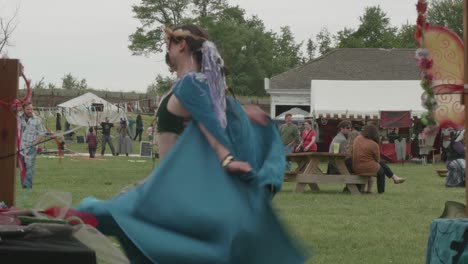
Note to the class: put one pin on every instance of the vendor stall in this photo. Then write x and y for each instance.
(397, 125)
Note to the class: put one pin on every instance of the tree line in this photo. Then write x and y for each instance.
(250, 50)
(253, 52)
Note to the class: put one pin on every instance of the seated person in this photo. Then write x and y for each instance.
(349, 161)
(339, 142)
(455, 161)
(308, 138)
(366, 159)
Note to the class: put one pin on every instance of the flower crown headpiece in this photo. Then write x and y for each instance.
(212, 66)
(180, 33)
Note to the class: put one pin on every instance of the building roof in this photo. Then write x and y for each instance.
(351, 64)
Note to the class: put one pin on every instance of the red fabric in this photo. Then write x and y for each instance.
(87, 218)
(395, 119)
(129, 107)
(388, 150)
(327, 133)
(307, 138)
(92, 140)
(9, 220)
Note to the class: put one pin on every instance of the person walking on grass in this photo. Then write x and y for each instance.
(92, 143)
(32, 132)
(125, 143)
(106, 136)
(139, 127)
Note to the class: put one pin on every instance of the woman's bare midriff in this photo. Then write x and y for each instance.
(165, 142)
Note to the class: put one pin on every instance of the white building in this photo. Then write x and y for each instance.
(350, 83)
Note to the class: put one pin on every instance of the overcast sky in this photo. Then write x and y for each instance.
(89, 38)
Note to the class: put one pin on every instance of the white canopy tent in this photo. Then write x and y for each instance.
(81, 112)
(297, 114)
(365, 98)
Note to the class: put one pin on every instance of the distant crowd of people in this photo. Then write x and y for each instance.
(126, 134)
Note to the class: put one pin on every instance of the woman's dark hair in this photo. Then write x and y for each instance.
(91, 130)
(344, 123)
(194, 45)
(169, 64)
(24, 105)
(371, 132)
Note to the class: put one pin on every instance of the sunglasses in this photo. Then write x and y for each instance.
(347, 127)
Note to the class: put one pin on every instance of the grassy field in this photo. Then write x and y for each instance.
(332, 226)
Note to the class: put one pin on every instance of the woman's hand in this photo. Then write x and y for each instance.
(237, 167)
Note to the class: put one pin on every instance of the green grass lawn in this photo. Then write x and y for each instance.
(334, 227)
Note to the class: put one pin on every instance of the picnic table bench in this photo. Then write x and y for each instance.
(309, 173)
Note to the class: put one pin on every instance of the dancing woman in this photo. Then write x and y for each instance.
(207, 200)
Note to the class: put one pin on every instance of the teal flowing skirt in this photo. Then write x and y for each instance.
(191, 211)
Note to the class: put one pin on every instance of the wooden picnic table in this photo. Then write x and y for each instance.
(309, 173)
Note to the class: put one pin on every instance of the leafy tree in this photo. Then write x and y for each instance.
(247, 48)
(374, 31)
(152, 89)
(51, 86)
(311, 47)
(7, 27)
(287, 52)
(448, 13)
(148, 38)
(42, 85)
(347, 38)
(69, 82)
(405, 37)
(324, 41)
(39, 85)
(250, 52)
(161, 85)
(204, 8)
(82, 85)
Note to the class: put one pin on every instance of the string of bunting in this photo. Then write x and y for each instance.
(143, 105)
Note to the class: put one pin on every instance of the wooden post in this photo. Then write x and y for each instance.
(465, 90)
(9, 82)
